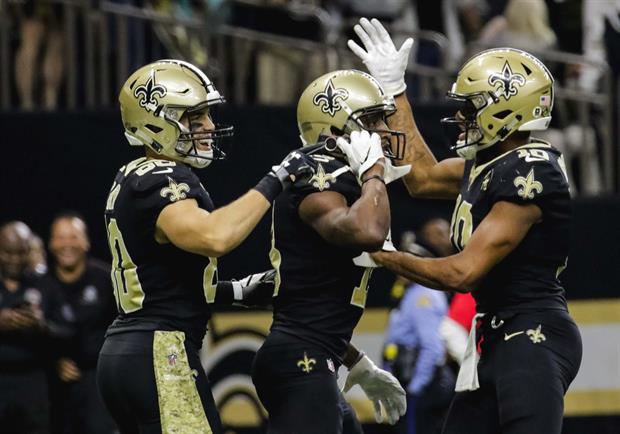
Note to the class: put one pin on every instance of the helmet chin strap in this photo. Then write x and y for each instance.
(199, 159)
(469, 152)
(197, 162)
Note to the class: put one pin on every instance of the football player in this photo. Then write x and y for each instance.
(318, 228)
(510, 225)
(165, 237)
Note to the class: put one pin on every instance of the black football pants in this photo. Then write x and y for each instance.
(526, 366)
(153, 382)
(296, 382)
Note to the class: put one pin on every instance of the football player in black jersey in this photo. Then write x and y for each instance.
(511, 227)
(165, 237)
(318, 228)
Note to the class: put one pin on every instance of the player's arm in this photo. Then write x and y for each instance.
(189, 227)
(363, 225)
(498, 234)
(427, 178)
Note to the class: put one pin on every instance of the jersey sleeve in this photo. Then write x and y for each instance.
(331, 175)
(160, 187)
(529, 178)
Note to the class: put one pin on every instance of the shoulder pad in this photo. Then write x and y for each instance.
(157, 183)
(153, 174)
(529, 173)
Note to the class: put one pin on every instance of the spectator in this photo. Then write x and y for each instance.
(37, 258)
(85, 285)
(29, 316)
(524, 25)
(415, 350)
(39, 28)
(455, 326)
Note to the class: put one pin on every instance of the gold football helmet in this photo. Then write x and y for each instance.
(157, 96)
(501, 90)
(340, 102)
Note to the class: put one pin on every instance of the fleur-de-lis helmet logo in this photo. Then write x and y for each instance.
(147, 92)
(329, 100)
(506, 81)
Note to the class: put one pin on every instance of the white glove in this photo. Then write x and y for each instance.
(364, 260)
(255, 289)
(380, 57)
(380, 387)
(392, 173)
(363, 150)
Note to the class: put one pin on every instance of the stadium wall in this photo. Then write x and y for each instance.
(60, 161)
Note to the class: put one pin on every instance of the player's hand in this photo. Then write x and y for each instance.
(381, 387)
(296, 167)
(68, 370)
(255, 290)
(383, 61)
(392, 173)
(378, 256)
(363, 150)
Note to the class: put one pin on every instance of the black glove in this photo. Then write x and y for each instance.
(255, 290)
(296, 167)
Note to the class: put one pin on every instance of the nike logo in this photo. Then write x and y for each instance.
(512, 335)
(168, 170)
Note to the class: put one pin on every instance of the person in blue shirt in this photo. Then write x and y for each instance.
(415, 350)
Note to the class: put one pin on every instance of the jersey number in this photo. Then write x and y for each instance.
(209, 280)
(358, 298)
(127, 288)
(532, 155)
(462, 223)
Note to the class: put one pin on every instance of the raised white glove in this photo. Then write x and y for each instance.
(383, 61)
(392, 173)
(380, 387)
(363, 150)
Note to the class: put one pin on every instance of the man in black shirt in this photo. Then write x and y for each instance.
(85, 286)
(510, 226)
(165, 237)
(318, 228)
(29, 318)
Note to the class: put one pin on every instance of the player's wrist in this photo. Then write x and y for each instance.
(357, 362)
(376, 169)
(370, 178)
(394, 87)
(269, 186)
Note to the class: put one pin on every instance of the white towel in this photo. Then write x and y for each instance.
(468, 373)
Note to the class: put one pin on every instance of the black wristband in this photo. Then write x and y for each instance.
(224, 293)
(269, 186)
(359, 357)
(379, 177)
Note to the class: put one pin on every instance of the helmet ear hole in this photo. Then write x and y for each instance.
(336, 131)
(503, 114)
(154, 128)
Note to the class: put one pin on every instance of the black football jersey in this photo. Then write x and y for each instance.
(320, 294)
(27, 348)
(528, 278)
(91, 299)
(157, 286)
